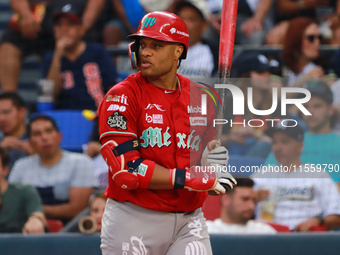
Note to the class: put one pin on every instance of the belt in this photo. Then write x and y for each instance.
(182, 212)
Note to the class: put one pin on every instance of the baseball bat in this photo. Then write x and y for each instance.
(87, 225)
(227, 39)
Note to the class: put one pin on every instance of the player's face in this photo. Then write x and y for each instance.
(194, 22)
(287, 150)
(241, 205)
(67, 29)
(97, 211)
(321, 114)
(11, 117)
(45, 139)
(158, 58)
(311, 47)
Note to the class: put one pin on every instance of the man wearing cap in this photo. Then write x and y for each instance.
(321, 144)
(202, 58)
(81, 72)
(153, 135)
(33, 35)
(295, 194)
(254, 61)
(254, 70)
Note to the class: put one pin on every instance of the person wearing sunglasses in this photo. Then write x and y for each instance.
(301, 51)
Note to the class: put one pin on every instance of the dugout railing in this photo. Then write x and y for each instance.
(279, 244)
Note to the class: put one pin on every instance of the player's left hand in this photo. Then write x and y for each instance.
(215, 154)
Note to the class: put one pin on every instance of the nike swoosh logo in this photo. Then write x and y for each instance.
(166, 91)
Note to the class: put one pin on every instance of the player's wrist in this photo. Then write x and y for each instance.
(177, 178)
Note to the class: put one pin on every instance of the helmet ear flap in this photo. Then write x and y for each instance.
(133, 53)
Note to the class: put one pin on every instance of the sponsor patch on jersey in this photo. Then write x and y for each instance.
(154, 118)
(116, 107)
(117, 120)
(119, 99)
(142, 169)
(156, 106)
(194, 109)
(198, 121)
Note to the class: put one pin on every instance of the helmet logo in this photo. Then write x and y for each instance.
(173, 30)
(148, 21)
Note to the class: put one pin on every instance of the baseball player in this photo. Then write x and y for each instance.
(153, 135)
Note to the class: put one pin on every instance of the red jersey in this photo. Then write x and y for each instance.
(171, 129)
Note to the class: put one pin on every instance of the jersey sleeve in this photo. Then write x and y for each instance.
(118, 113)
(118, 121)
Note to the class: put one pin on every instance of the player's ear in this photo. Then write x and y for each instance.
(178, 51)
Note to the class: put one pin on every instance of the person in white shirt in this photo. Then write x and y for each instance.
(237, 209)
(202, 56)
(298, 195)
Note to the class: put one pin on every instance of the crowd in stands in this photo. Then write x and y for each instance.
(72, 39)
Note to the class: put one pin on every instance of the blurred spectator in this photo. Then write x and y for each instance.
(202, 60)
(253, 70)
(128, 13)
(65, 180)
(93, 222)
(301, 50)
(20, 205)
(335, 86)
(13, 127)
(254, 19)
(156, 5)
(297, 195)
(92, 149)
(30, 36)
(326, 12)
(125, 21)
(321, 144)
(81, 72)
(237, 210)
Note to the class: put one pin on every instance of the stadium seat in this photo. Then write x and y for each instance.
(321, 228)
(278, 227)
(75, 128)
(54, 225)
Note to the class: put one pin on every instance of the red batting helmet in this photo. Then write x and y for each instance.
(163, 26)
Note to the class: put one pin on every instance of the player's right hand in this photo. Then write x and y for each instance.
(198, 178)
